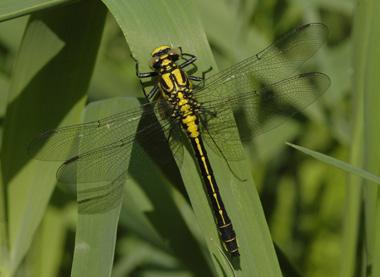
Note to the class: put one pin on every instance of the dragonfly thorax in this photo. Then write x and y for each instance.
(176, 88)
(164, 58)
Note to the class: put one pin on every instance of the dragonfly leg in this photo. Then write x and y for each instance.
(191, 59)
(200, 79)
(187, 62)
(152, 93)
(141, 75)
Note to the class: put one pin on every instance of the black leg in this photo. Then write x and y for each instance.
(187, 62)
(191, 60)
(142, 74)
(195, 78)
(205, 72)
(200, 79)
(152, 93)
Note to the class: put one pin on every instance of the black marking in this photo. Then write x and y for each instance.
(303, 27)
(161, 52)
(73, 159)
(226, 231)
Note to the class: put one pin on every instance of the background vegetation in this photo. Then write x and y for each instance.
(65, 61)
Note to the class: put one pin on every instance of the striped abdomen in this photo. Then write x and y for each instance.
(177, 89)
(226, 231)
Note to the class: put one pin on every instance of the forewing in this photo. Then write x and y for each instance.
(108, 162)
(258, 108)
(100, 151)
(67, 142)
(276, 62)
(101, 198)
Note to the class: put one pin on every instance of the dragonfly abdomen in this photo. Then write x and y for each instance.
(226, 231)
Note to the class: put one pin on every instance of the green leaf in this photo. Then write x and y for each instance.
(178, 23)
(95, 238)
(11, 33)
(339, 164)
(48, 88)
(14, 8)
(352, 239)
(368, 84)
(46, 253)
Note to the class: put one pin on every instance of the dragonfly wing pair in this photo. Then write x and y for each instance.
(100, 151)
(261, 86)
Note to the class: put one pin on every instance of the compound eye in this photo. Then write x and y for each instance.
(155, 62)
(173, 54)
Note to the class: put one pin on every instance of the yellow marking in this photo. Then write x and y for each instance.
(209, 178)
(235, 250)
(165, 62)
(204, 161)
(168, 82)
(186, 109)
(221, 215)
(229, 240)
(193, 132)
(159, 48)
(182, 103)
(199, 148)
(192, 128)
(226, 225)
(189, 119)
(178, 77)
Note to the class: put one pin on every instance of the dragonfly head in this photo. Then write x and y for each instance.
(164, 55)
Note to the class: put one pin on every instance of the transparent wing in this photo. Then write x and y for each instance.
(108, 162)
(100, 150)
(174, 134)
(101, 198)
(66, 142)
(256, 108)
(276, 62)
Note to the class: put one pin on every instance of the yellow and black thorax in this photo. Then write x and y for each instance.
(176, 88)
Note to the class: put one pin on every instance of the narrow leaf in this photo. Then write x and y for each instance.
(339, 164)
(14, 8)
(50, 79)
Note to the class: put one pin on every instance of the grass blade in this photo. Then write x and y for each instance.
(177, 23)
(48, 88)
(339, 164)
(95, 238)
(14, 8)
(371, 134)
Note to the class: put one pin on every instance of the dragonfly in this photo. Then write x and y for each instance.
(183, 108)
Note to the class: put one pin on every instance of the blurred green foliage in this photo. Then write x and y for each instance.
(304, 200)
